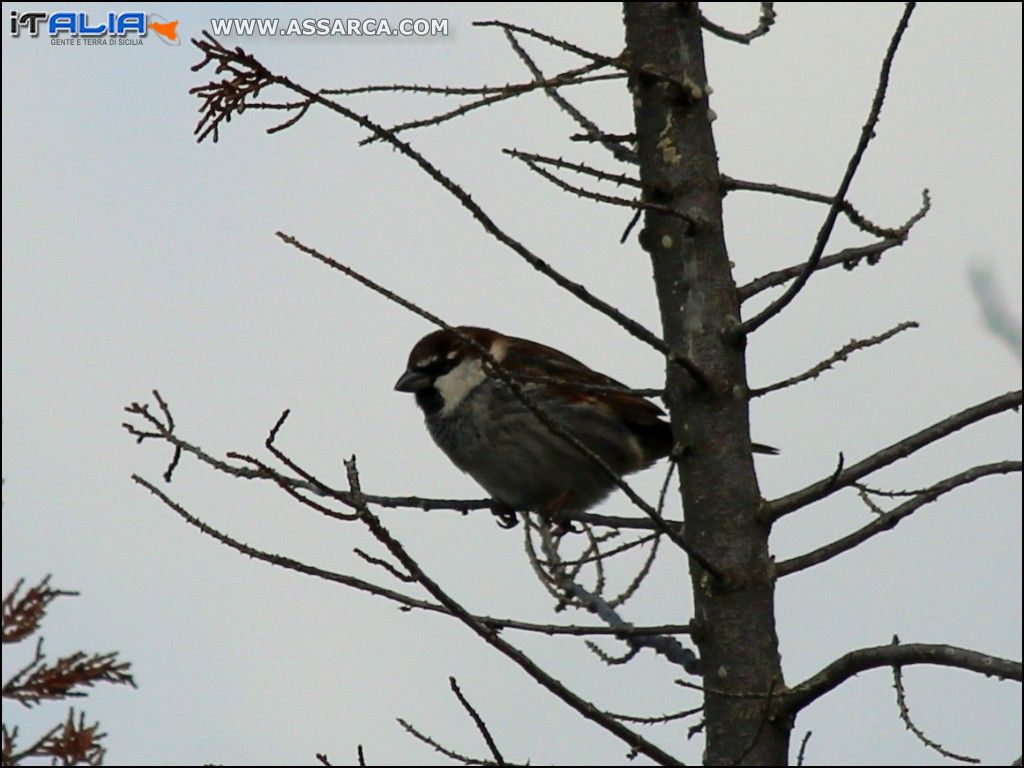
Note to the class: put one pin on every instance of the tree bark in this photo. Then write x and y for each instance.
(735, 616)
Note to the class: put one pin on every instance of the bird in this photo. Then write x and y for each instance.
(489, 433)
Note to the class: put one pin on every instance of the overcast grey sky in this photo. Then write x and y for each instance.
(134, 259)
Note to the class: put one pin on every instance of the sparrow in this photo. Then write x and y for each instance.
(487, 431)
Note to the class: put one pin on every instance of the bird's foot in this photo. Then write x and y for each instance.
(555, 512)
(504, 514)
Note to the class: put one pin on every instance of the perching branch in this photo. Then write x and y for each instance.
(161, 432)
(404, 601)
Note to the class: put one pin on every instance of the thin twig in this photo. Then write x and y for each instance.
(582, 706)
(215, 103)
(803, 748)
(657, 719)
(867, 133)
(385, 565)
(566, 165)
(479, 721)
(790, 702)
(446, 751)
(600, 197)
(785, 505)
(597, 58)
(406, 602)
(568, 78)
(840, 356)
(858, 219)
(764, 24)
(849, 258)
(574, 76)
(901, 704)
(889, 520)
(620, 152)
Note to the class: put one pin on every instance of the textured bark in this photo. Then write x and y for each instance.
(735, 618)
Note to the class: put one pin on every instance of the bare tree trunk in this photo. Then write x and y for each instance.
(699, 310)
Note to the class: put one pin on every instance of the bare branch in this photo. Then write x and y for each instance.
(446, 751)
(380, 563)
(571, 77)
(215, 101)
(840, 356)
(867, 133)
(598, 58)
(620, 152)
(803, 748)
(641, 576)
(406, 602)
(479, 721)
(582, 706)
(863, 659)
(625, 202)
(657, 719)
(889, 520)
(587, 194)
(856, 218)
(667, 647)
(263, 472)
(850, 258)
(764, 24)
(816, 491)
(901, 703)
(566, 165)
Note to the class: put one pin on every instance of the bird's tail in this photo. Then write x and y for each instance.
(660, 441)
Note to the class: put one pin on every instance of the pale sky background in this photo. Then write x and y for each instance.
(134, 259)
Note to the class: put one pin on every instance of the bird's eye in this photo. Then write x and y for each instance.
(437, 366)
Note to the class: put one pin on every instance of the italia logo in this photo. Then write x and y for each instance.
(75, 24)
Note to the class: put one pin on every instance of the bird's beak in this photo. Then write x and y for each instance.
(411, 381)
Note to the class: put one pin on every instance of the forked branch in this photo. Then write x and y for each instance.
(780, 507)
(855, 662)
(866, 135)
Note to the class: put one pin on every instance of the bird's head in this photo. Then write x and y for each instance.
(445, 366)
